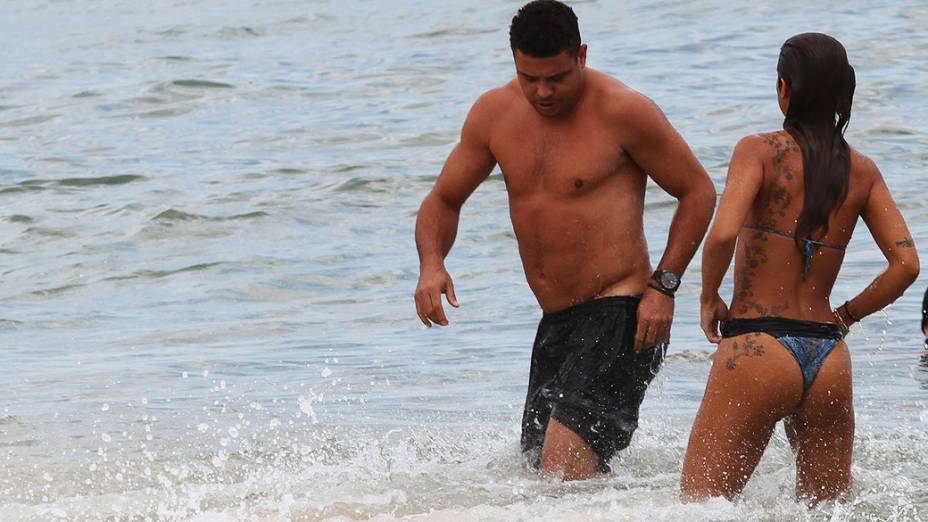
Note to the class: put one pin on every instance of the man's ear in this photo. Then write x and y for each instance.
(581, 55)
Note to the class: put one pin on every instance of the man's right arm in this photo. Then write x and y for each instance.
(437, 223)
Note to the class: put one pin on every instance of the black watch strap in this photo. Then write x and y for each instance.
(659, 288)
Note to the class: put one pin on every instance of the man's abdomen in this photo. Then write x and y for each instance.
(572, 257)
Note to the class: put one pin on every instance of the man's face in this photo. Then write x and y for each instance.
(552, 85)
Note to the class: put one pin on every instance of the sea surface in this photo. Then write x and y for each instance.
(207, 260)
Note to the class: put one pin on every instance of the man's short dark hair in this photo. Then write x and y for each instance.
(545, 28)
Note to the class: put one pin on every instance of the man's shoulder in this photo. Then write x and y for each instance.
(616, 100)
(497, 99)
(485, 113)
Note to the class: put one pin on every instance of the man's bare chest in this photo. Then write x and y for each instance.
(534, 161)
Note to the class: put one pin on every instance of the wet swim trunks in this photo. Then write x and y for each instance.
(586, 374)
(808, 342)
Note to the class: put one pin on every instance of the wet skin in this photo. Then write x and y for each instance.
(754, 381)
(575, 147)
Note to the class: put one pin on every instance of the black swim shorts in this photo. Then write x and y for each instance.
(587, 375)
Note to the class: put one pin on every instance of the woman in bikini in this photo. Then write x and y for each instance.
(790, 204)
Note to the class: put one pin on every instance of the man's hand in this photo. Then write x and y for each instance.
(713, 311)
(433, 283)
(655, 315)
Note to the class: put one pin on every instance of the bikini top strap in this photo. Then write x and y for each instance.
(807, 261)
(769, 231)
(808, 251)
(825, 245)
(793, 236)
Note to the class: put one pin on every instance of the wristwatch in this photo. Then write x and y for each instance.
(665, 282)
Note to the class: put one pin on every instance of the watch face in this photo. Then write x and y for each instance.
(669, 280)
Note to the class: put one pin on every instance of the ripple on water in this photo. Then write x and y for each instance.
(160, 113)
(202, 84)
(58, 290)
(87, 94)
(52, 232)
(453, 31)
(30, 120)
(172, 215)
(33, 185)
(239, 32)
(176, 58)
(158, 274)
(98, 181)
(359, 184)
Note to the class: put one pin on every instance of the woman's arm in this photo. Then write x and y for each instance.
(745, 177)
(892, 236)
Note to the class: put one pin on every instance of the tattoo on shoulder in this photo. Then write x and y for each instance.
(749, 348)
(779, 199)
(905, 243)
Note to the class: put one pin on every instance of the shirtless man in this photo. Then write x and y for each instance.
(575, 147)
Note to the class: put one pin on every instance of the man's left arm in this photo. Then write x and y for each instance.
(664, 156)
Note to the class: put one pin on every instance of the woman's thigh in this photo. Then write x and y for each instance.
(822, 431)
(754, 382)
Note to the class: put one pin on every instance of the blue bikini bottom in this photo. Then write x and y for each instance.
(809, 342)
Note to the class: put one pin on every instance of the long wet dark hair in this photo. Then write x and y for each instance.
(822, 84)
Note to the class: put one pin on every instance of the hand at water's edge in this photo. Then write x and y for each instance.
(712, 312)
(432, 284)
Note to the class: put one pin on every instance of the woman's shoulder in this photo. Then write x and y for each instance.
(774, 144)
(862, 165)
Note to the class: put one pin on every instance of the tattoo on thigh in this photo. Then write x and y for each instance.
(749, 348)
(905, 243)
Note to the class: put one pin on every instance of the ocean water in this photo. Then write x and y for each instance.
(207, 260)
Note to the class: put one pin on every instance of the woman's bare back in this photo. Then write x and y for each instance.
(771, 276)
